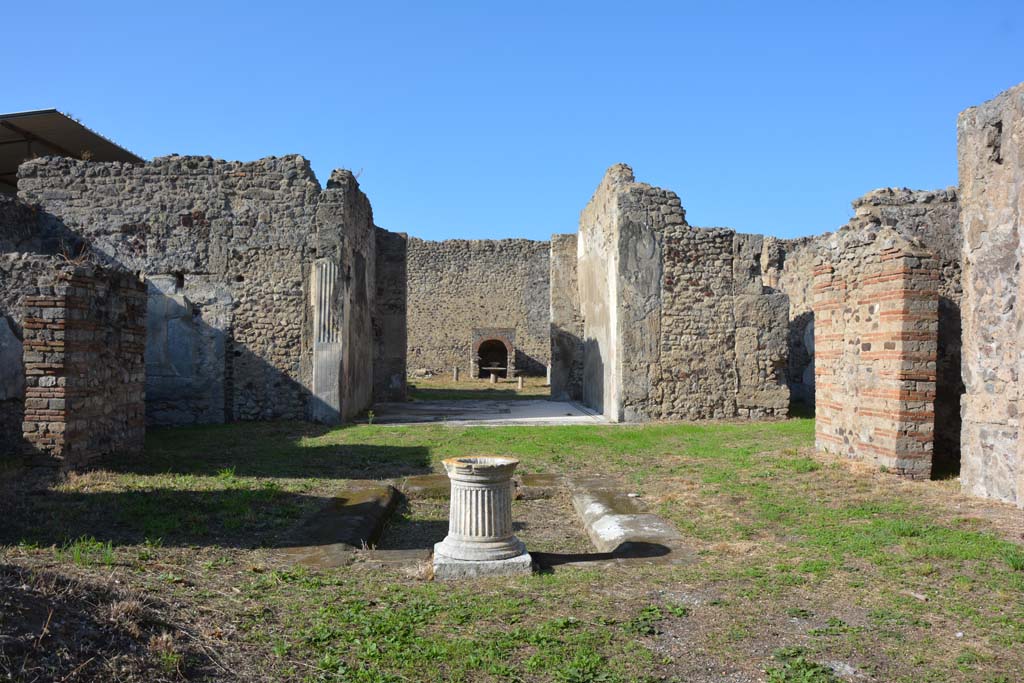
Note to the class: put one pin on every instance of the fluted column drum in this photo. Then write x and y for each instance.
(480, 516)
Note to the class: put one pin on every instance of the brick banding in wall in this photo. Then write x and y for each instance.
(84, 346)
(876, 341)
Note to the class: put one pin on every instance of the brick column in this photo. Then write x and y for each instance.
(876, 334)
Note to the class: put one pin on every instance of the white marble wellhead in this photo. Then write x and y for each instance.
(480, 516)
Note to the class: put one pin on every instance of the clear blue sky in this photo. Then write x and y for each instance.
(486, 120)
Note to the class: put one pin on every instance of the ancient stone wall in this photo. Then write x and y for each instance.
(788, 267)
(930, 217)
(597, 272)
(389, 322)
(566, 321)
(228, 250)
(991, 161)
(876, 331)
(677, 322)
(23, 261)
(84, 343)
(455, 286)
(346, 240)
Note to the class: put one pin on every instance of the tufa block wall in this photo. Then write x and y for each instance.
(990, 141)
(456, 286)
(677, 322)
(566, 321)
(876, 329)
(84, 342)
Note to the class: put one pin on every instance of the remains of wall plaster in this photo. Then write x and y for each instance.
(876, 330)
(566, 321)
(990, 139)
(227, 248)
(677, 321)
(457, 285)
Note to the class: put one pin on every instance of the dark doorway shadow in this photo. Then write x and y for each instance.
(800, 365)
(949, 387)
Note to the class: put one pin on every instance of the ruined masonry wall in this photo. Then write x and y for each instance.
(566, 321)
(455, 286)
(685, 329)
(991, 161)
(876, 327)
(84, 345)
(930, 217)
(698, 364)
(597, 269)
(227, 249)
(22, 263)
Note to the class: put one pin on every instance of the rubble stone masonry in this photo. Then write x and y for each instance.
(677, 321)
(227, 249)
(991, 160)
(456, 286)
(876, 330)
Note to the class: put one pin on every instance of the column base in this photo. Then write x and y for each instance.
(448, 568)
(479, 551)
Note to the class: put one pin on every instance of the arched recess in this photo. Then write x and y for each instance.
(494, 355)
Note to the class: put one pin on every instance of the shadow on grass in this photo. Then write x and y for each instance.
(225, 485)
(276, 450)
(233, 517)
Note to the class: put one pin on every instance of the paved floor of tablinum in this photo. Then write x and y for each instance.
(489, 413)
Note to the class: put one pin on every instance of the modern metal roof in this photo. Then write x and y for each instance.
(29, 134)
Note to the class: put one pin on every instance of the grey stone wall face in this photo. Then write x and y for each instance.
(566, 321)
(23, 261)
(455, 286)
(227, 249)
(597, 270)
(788, 267)
(991, 165)
(389, 323)
(677, 323)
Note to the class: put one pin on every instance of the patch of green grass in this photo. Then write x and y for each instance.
(644, 623)
(1014, 558)
(444, 389)
(85, 551)
(795, 667)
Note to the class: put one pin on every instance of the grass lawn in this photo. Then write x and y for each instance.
(808, 569)
(444, 389)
